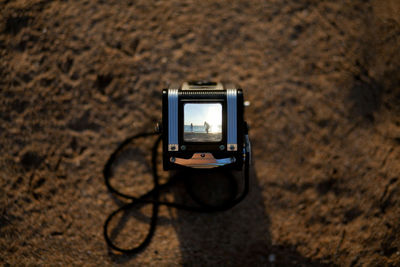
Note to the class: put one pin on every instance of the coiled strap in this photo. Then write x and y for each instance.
(152, 196)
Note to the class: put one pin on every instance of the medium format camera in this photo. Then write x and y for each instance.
(203, 126)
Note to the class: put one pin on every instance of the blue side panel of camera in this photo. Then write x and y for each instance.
(173, 143)
(231, 97)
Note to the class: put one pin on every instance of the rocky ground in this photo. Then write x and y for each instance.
(78, 77)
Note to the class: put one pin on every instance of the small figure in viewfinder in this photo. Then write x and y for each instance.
(207, 126)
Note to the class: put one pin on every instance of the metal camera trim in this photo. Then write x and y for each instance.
(178, 152)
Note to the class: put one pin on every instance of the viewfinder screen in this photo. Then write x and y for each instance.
(202, 122)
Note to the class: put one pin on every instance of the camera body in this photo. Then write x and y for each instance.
(203, 126)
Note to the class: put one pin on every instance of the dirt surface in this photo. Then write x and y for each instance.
(78, 77)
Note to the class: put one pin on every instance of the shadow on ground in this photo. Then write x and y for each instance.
(231, 238)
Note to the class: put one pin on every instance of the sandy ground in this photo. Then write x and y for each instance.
(78, 77)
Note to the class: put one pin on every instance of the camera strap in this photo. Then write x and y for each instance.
(152, 196)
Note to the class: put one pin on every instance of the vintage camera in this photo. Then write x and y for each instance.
(203, 126)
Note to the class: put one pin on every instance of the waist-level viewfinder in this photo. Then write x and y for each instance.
(203, 126)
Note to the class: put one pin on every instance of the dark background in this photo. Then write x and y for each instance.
(78, 77)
